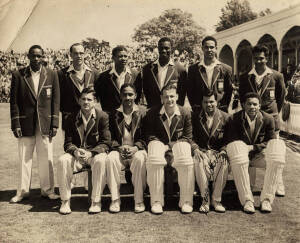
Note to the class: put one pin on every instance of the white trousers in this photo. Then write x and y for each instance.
(66, 165)
(184, 165)
(218, 174)
(137, 165)
(44, 151)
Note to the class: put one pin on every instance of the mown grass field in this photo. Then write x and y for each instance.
(38, 220)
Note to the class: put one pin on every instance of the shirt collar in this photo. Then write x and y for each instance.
(171, 62)
(215, 63)
(176, 112)
(93, 113)
(267, 71)
(71, 68)
(113, 70)
(135, 108)
(37, 72)
(248, 118)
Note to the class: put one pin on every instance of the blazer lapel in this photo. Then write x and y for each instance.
(135, 122)
(246, 127)
(113, 78)
(174, 123)
(128, 78)
(119, 119)
(78, 125)
(203, 123)
(215, 75)
(29, 82)
(252, 82)
(42, 81)
(203, 74)
(87, 78)
(74, 81)
(154, 71)
(265, 83)
(216, 122)
(258, 125)
(169, 74)
(163, 118)
(89, 127)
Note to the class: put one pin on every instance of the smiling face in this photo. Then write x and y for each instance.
(209, 49)
(120, 59)
(77, 54)
(252, 107)
(128, 96)
(87, 102)
(260, 60)
(169, 98)
(209, 104)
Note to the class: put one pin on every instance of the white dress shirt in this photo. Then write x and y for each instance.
(251, 123)
(162, 72)
(209, 70)
(36, 79)
(121, 76)
(259, 78)
(79, 75)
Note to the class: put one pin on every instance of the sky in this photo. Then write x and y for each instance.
(59, 23)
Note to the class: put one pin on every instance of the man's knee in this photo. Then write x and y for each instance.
(238, 153)
(100, 159)
(140, 157)
(64, 160)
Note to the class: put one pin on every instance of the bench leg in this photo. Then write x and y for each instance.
(90, 186)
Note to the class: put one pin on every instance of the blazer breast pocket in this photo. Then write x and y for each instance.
(179, 132)
(270, 92)
(220, 85)
(47, 91)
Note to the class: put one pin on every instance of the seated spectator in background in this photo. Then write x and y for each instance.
(168, 134)
(294, 87)
(128, 149)
(251, 141)
(288, 74)
(87, 140)
(209, 151)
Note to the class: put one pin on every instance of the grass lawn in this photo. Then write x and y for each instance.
(38, 220)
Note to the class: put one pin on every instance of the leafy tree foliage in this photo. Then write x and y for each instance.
(179, 26)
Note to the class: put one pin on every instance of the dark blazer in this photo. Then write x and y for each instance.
(117, 122)
(147, 83)
(70, 93)
(238, 129)
(27, 108)
(107, 90)
(221, 85)
(272, 92)
(204, 138)
(96, 137)
(181, 126)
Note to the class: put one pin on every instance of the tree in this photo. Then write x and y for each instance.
(179, 26)
(94, 44)
(235, 13)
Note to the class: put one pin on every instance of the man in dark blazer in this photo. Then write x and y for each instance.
(128, 149)
(269, 84)
(250, 136)
(209, 74)
(209, 151)
(108, 84)
(168, 135)
(34, 109)
(87, 140)
(73, 79)
(156, 75)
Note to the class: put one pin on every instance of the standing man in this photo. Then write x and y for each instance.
(269, 85)
(34, 108)
(210, 157)
(251, 140)
(73, 80)
(156, 75)
(87, 140)
(108, 85)
(209, 74)
(128, 149)
(168, 134)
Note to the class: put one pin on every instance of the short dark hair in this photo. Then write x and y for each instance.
(35, 47)
(88, 90)
(250, 95)
(127, 85)
(210, 93)
(168, 87)
(209, 38)
(261, 48)
(76, 44)
(164, 39)
(117, 49)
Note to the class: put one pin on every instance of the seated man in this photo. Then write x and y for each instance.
(209, 152)
(250, 135)
(128, 149)
(169, 132)
(87, 140)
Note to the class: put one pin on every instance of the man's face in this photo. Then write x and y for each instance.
(260, 60)
(209, 49)
(120, 59)
(128, 96)
(87, 102)
(252, 107)
(77, 54)
(209, 104)
(169, 98)
(35, 57)
(164, 50)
